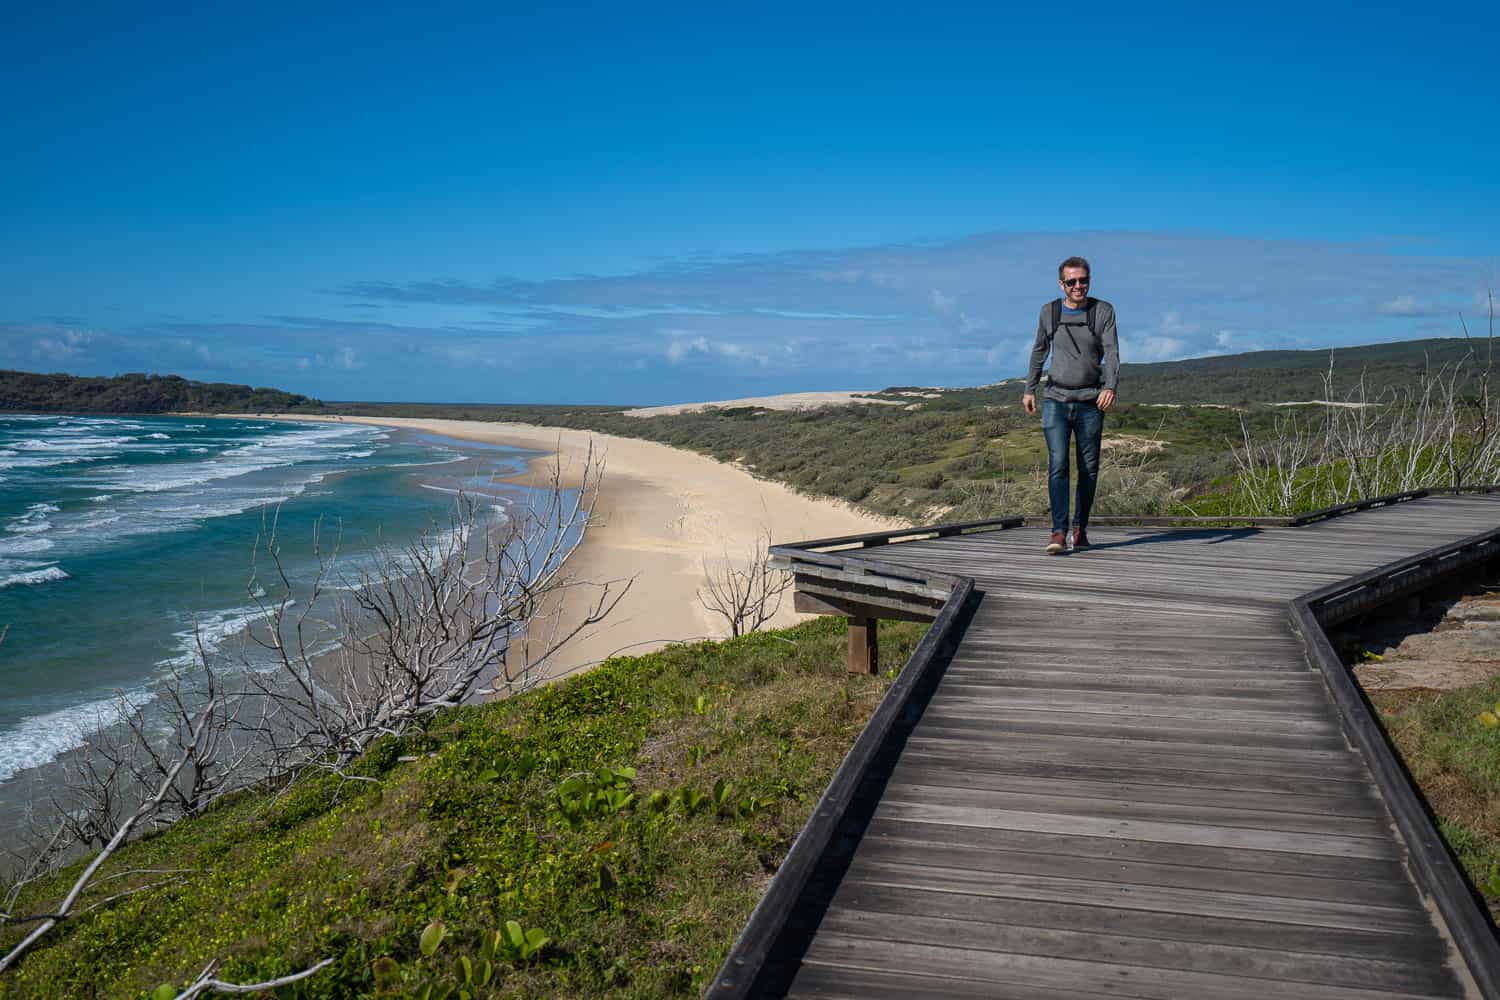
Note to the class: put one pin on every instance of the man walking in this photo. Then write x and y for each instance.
(1079, 331)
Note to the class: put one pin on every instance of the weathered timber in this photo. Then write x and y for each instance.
(1141, 772)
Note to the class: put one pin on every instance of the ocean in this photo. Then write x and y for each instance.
(127, 544)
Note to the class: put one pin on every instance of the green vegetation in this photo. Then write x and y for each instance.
(1453, 752)
(930, 453)
(27, 392)
(603, 837)
(923, 459)
(1287, 376)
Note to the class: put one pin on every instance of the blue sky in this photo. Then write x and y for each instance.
(658, 203)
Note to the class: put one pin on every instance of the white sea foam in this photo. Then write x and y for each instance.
(34, 521)
(98, 522)
(210, 632)
(160, 437)
(82, 444)
(40, 462)
(30, 578)
(287, 449)
(102, 498)
(357, 454)
(39, 739)
(419, 465)
(24, 546)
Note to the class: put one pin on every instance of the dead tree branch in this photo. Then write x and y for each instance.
(745, 593)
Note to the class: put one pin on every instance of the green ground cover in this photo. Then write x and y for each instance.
(630, 817)
(1454, 755)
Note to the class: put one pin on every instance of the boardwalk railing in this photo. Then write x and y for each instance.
(1433, 866)
(828, 581)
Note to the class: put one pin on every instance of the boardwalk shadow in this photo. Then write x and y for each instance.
(1210, 536)
(786, 954)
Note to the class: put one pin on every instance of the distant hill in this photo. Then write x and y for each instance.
(1287, 376)
(29, 392)
(1256, 377)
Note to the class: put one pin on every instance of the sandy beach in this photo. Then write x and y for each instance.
(660, 513)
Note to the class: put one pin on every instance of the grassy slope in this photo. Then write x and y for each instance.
(1455, 760)
(642, 902)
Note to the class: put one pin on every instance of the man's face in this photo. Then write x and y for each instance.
(1075, 286)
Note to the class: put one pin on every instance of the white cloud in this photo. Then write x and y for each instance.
(741, 353)
(199, 351)
(1224, 339)
(1152, 347)
(1403, 305)
(1173, 326)
(685, 345)
(681, 347)
(62, 346)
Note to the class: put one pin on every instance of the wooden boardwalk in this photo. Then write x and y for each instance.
(1128, 780)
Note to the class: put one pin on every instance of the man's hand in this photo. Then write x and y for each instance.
(1028, 403)
(1106, 399)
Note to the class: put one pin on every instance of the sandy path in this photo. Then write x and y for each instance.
(661, 511)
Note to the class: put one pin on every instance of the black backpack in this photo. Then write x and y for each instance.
(1090, 310)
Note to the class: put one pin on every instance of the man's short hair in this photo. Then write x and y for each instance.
(1072, 262)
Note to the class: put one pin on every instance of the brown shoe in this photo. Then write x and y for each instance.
(1080, 538)
(1056, 543)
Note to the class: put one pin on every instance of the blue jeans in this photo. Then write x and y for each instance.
(1085, 422)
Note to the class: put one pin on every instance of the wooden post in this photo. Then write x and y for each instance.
(863, 646)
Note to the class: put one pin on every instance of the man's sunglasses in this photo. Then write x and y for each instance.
(1075, 281)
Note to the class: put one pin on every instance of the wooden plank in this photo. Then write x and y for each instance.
(1063, 801)
(844, 951)
(1129, 829)
(1002, 864)
(1291, 969)
(1066, 846)
(1319, 913)
(1131, 677)
(1104, 748)
(1156, 772)
(1186, 705)
(981, 703)
(1325, 737)
(864, 646)
(812, 604)
(1350, 799)
(1244, 930)
(1187, 736)
(818, 982)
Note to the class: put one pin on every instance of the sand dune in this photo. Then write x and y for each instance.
(784, 401)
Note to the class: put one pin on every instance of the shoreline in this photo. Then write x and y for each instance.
(660, 513)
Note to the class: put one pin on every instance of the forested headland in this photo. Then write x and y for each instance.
(29, 392)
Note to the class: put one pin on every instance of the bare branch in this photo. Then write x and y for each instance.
(142, 811)
(747, 593)
(206, 981)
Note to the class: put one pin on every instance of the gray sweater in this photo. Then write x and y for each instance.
(1082, 363)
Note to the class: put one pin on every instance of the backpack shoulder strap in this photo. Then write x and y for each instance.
(1093, 310)
(1056, 316)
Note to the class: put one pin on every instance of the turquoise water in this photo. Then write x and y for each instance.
(124, 542)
